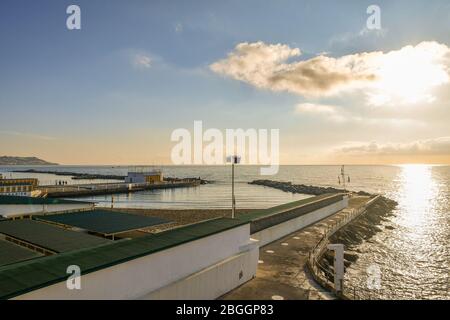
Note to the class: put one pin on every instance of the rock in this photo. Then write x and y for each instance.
(350, 256)
(299, 188)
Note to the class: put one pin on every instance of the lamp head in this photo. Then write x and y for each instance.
(234, 159)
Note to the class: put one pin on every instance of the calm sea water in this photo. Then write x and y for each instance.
(412, 254)
(218, 194)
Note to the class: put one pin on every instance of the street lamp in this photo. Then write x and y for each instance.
(234, 160)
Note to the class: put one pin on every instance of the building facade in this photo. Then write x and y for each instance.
(155, 176)
(18, 187)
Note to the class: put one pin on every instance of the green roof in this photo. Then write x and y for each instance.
(12, 253)
(48, 236)
(33, 200)
(257, 214)
(27, 276)
(263, 219)
(104, 221)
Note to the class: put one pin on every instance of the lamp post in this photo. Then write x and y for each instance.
(234, 160)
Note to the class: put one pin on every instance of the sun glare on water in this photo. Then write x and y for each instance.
(418, 189)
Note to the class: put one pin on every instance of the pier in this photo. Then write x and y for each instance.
(92, 189)
(282, 269)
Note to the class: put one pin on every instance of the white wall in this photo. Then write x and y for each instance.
(9, 211)
(134, 177)
(283, 229)
(137, 278)
(214, 281)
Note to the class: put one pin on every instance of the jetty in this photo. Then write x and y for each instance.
(136, 180)
(92, 189)
(282, 267)
(76, 175)
(302, 188)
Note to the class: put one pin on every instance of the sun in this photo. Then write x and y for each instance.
(409, 76)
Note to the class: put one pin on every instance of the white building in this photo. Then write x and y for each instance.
(154, 176)
(18, 187)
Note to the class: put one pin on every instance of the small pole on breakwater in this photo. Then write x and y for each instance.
(345, 177)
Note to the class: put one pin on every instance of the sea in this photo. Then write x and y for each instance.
(411, 254)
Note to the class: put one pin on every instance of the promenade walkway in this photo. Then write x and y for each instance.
(282, 271)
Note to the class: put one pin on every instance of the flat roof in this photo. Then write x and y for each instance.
(23, 277)
(12, 253)
(257, 214)
(33, 200)
(48, 236)
(104, 221)
(264, 219)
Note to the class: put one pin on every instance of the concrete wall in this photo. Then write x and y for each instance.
(9, 211)
(138, 278)
(281, 230)
(213, 281)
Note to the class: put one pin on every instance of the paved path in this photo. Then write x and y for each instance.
(282, 269)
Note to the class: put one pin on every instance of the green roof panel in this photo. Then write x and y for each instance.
(49, 236)
(104, 221)
(12, 253)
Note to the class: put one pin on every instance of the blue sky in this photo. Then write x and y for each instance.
(85, 90)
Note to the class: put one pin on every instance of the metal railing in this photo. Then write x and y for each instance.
(320, 273)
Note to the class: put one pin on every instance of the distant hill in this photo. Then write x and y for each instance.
(24, 161)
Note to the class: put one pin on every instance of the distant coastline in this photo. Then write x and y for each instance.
(23, 161)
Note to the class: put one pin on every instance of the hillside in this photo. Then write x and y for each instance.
(26, 161)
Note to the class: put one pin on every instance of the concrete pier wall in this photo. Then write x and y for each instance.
(110, 188)
(280, 230)
(213, 281)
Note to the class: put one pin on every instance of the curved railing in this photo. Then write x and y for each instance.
(321, 274)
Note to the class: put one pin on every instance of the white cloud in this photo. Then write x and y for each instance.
(403, 76)
(327, 112)
(313, 108)
(265, 66)
(141, 60)
(436, 146)
(178, 28)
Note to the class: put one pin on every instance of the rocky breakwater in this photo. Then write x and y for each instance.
(361, 229)
(301, 188)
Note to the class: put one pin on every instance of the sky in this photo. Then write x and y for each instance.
(115, 90)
